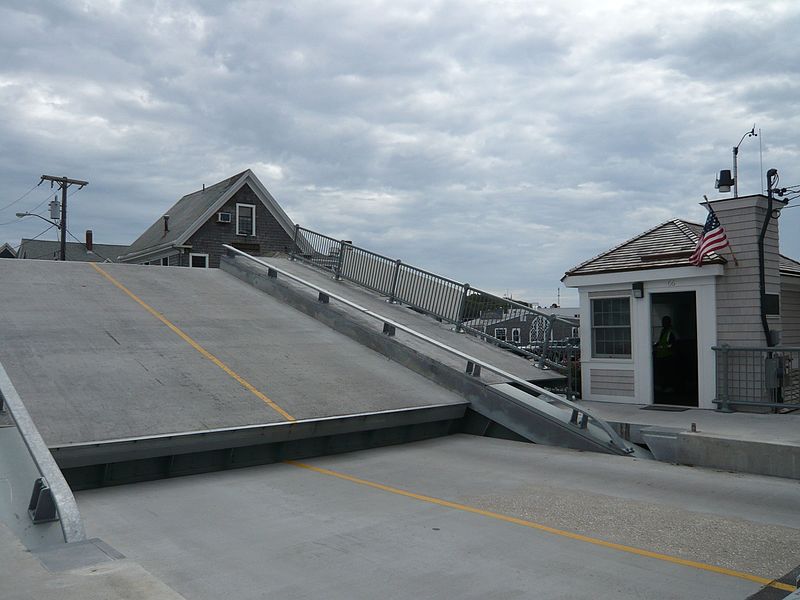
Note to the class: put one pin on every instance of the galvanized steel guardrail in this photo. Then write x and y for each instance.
(767, 377)
(578, 416)
(550, 339)
(51, 497)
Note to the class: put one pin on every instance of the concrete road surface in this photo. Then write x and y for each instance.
(457, 517)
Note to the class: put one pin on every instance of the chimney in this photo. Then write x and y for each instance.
(89, 241)
(166, 223)
(738, 292)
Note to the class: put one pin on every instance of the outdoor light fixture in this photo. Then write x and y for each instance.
(27, 214)
(638, 289)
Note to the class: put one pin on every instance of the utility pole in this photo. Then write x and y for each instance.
(63, 184)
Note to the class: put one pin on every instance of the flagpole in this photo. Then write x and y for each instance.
(736, 262)
(707, 204)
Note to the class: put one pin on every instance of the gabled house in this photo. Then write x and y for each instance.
(7, 251)
(86, 251)
(627, 291)
(523, 328)
(238, 211)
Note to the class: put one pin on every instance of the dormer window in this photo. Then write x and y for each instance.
(245, 219)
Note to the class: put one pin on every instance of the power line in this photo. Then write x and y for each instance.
(87, 247)
(63, 184)
(38, 206)
(38, 235)
(34, 209)
(10, 204)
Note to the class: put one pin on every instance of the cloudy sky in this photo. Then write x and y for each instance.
(497, 143)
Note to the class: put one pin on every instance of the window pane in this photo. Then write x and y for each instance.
(245, 224)
(611, 327)
(199, 261)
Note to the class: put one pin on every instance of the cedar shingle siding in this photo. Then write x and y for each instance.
(193, 228)
(270, 236)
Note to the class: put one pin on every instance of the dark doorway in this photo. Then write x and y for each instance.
(674, 338)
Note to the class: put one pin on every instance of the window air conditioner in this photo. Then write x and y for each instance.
(223, 217)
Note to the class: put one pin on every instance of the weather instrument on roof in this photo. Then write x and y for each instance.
(726, 180)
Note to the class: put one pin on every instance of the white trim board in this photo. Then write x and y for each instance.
(253, 229)
(193, 254)
(672, 273)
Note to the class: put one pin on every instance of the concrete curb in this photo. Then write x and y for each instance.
(742, 456)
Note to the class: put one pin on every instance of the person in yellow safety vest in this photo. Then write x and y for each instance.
(664, 352)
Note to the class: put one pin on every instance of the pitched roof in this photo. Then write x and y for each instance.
(75, 251)
(669, 244)
(789, 266)
(7, 251)
(190, 212)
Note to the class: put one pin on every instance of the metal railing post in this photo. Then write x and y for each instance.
(462, 307)
(570, 392)
(338, 271)
(295, 247)
(724, 397)
(546, 342)
(393, 292)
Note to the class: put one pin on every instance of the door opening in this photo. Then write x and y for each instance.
(674, 341)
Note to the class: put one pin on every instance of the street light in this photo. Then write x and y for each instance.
(21, 215)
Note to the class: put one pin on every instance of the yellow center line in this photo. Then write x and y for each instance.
(185, 337)
(553, 530)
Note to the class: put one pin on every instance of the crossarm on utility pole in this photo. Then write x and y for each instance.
(63, 184)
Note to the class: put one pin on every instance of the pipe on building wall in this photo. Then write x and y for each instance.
(772, 175)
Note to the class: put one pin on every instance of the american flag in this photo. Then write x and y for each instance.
(713, 238)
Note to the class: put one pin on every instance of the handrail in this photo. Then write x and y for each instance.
(615, 438)
(511, 302)
(757, 348)
(69, 515)
(443, 298)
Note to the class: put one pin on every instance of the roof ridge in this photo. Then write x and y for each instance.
(682, 225)
(206, 188)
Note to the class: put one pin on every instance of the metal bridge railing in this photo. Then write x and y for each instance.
(551, 340)
(51, 497)
(757, 376)
(577, 417)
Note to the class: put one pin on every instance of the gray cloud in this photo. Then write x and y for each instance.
(495, 143)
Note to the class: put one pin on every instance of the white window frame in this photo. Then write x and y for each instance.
(518, 332)
(165, 261)
(498, 329)
(253, 229)
(594, 327)
(192, 255)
